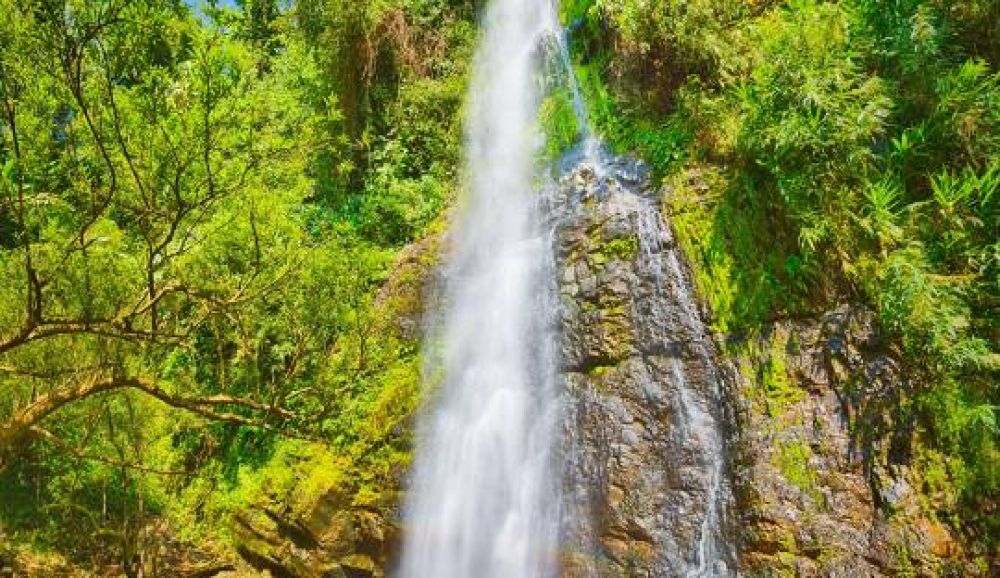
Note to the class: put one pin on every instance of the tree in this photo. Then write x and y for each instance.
(147, 206)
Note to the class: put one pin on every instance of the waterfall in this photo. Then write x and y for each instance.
(505, 481)
(484, 493)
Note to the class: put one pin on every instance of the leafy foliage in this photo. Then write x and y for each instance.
(197, 210)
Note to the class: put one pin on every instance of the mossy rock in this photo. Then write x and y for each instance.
(619, 248)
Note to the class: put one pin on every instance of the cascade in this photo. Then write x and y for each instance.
(484, 494)
(520, 454)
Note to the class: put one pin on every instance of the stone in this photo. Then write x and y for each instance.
(856, 508)
(646, 484)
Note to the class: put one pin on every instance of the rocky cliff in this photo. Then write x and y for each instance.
(814, 476)
(828, 485)
(648, 468)
(829, 480)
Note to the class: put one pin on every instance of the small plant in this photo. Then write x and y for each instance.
(559, 124)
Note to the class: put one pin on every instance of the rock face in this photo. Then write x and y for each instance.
(330, 539)
(647, 469)
(825, 479)
(830, 479)
(706, 455)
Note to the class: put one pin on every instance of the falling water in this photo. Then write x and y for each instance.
(484, 496)
(589, 149)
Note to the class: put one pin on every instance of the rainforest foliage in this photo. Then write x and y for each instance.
(198, 204)
(822, 151)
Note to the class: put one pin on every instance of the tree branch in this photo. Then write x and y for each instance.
(80, 454)
(209, 407)
(38, 330)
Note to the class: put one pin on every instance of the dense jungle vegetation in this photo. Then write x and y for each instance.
(201, 205)
(198, 208)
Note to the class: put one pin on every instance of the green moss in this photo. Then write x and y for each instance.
(613, 309)
(785, 567)
(792, 460)
(571, 11)
(718, 224)
(904, 563)
(778, 387)
(617, 338)
(714, 268)
(599, 370)
(938, 473)
(620, 248)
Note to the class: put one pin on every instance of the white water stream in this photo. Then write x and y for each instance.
(484, 496)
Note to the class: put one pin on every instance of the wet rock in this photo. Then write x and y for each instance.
(819, 463)
(645, 447)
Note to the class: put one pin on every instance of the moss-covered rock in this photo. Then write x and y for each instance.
(831, 480)
(823, 492)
